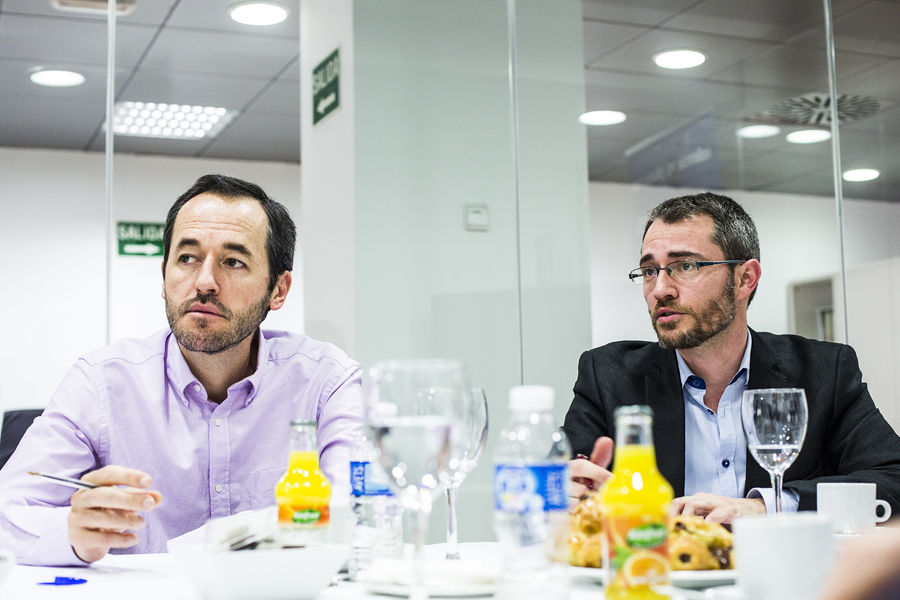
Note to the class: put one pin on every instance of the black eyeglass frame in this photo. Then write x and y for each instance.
(638, 273)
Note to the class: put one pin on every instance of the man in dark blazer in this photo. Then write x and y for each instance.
(699, 269)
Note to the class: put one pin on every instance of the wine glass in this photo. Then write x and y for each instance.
(775, 425)
(465, 455)
(415, 410)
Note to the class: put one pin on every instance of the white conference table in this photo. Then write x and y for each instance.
(158, 577)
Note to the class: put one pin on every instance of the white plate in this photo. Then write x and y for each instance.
(444, 590)
(685, 579)
(464, 578)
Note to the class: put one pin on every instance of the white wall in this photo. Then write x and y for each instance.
(53, 220)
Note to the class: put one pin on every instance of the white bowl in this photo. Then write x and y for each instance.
(261, 574)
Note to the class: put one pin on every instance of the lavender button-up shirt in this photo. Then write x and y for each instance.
(137, 404)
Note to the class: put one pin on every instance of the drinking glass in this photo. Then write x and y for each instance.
(415, 410)
(775, 425)
(465, 454)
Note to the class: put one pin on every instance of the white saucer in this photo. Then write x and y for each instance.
(683, 579)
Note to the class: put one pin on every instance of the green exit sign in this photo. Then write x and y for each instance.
(326, 89)
(140, 239)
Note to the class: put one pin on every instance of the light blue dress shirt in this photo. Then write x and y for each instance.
(715, 450)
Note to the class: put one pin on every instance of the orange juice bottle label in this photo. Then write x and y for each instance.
(638, 552)
(302, 513)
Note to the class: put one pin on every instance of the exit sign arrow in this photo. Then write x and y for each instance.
(147, 249)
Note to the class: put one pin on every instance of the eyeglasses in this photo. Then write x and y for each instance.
(679, 270)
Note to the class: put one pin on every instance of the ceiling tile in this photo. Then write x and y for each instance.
(798, 67)
(45, 122)
(871, 28)
(774, 20)
(152, 85)
(259, 137)
(640, 12)
(205, 52)
(600, 37)
(282, 97)
(69, 42)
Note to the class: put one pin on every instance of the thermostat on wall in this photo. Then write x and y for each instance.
(477, 217)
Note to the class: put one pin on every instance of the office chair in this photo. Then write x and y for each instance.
(15, 422)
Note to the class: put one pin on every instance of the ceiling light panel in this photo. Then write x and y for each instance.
(856, 175)
(808, 136)
(258, 13)
(57, 78)
(758, 131)
(602, 117)
(679, 59)
(170, 121)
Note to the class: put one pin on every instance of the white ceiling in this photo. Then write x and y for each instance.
(759, 53)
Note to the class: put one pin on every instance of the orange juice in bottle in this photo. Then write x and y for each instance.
(637, 500)
(303, 493)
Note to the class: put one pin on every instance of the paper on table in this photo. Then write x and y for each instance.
(217, 531)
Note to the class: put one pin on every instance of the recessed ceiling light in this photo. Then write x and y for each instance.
(602, 117)
(679, 59)
(757, 131)
(808, 136)
(861, 174)
(172, 121)
(57, 78)
(258, 13)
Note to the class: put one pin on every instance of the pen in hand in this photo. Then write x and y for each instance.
(69, 481)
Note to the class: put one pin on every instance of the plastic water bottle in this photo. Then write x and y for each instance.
(377, 513)
(530, 501)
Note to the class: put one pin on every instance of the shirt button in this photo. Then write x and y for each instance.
(219, 487)
(725, 462)
(196, 387)
(218, 422)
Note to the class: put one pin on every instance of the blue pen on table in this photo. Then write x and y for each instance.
(69, 481)
(64, 581)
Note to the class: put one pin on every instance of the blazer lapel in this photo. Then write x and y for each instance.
(662, 392)
(765, 372)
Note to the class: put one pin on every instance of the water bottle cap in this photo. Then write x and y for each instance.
(531, 398)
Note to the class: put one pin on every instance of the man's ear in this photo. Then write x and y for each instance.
(163, 269)
(280, 292)
(747, 276)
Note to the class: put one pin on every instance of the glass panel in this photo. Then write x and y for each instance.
(685, 130)
(435, 208)
(52, 200)
(185, 69)
(867, 51)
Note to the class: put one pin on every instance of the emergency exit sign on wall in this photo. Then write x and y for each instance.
(140, 239)
(326, 92)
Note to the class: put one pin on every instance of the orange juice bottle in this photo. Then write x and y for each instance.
(303, 493)
(636, 500)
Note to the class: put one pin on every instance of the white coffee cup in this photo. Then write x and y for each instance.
(852, 507)
(784, 556)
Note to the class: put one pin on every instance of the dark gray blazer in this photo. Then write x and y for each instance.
(847, 438)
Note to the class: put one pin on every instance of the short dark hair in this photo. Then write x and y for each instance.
(733, 229)
(280, 237)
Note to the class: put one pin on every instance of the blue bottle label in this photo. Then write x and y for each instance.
(530, 488)
(362, 483)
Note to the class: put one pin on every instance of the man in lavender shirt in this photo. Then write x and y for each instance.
(190, 423)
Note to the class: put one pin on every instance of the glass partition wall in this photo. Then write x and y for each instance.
(490, 224)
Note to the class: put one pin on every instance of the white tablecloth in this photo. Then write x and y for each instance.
(158, 577)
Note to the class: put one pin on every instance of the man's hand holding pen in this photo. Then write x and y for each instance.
(589, 473)
(107, 516)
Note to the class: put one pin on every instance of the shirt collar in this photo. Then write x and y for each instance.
(188, 388)
(688, 377)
